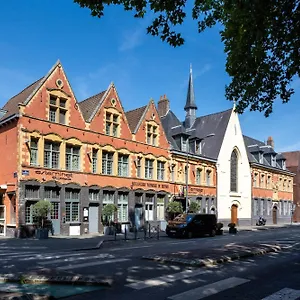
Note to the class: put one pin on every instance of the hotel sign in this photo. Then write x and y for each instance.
(56, 175)
(149, 185)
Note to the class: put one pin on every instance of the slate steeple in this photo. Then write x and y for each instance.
(190, 106)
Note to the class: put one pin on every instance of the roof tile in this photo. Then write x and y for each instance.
(134, 116)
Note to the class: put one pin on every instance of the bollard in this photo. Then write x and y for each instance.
(135, 232)
(125, 232)
(149, 230)
(158, 232)
(115, 233)
(145, 232)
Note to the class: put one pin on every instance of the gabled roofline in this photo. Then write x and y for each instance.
(100, 102)
(287, 172)
(142, 117)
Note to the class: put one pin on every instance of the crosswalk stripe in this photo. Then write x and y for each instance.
(15, 253)
(210, 289)
(165, 279)
(285, 293)
(103, 255)
(94, 263)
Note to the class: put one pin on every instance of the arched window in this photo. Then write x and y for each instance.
(234, 171)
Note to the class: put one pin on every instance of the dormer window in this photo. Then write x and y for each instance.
(152, 134)
(283, 165)
(183, 144)
(273, 161)
(112, 124)
(198, 147)
(261, 158)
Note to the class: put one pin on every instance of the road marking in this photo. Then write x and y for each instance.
(20, 248)
(283, 294)
(14, 253)
(129, 248)
(210, 289)
(139, 285)
(42, 256)
(71, 259)
(94, 263)
(178, 243)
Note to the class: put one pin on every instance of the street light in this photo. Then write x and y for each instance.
(187, 166)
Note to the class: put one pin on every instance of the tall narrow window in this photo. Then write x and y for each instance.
(208, 177)
(94, 160)
(112, 124)
(234, 172)
(33, 151)
(138, 167)
(123, 165)
(51, 155)
(122, 207)
(160, 170)
(72, 204)
(57, 109)
(198, 176)
(152, 134)
(72, 158)
(148, 169)
(107, 163)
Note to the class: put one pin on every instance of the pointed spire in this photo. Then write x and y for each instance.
(190, 98)
(234, 103)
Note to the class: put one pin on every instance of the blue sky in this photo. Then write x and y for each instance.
(35, 33)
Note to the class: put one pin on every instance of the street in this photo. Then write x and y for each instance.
(131, 276)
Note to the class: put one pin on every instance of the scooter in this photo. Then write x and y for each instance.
(261, 221)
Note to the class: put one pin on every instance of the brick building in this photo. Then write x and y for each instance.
(272, 182)
(83, 155)
(293, 164)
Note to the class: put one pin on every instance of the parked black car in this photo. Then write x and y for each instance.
(191, 225)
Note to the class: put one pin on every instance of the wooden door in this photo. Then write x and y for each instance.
(234, 216)
(274, 215)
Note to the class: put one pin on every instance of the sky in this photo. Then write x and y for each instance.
(95, 52)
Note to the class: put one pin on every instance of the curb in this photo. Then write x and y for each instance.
(36, 279)
(209, 261)
(98, 246)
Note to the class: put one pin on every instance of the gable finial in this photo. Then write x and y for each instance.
(191, 69)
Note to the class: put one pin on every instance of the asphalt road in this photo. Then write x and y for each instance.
(133, 277)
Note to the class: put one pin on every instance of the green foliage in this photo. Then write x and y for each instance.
(41, 210)
(261, 40)
(174, 207)
(109, 210)
(194, 207)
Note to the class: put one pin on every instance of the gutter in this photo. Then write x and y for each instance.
(9, 119)
(194, 156)
(272, 168)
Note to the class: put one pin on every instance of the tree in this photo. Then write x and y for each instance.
(41, 210)
(261, 40)
(174, 208)
(194, 207)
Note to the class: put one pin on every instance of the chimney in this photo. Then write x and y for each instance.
(270, 142)
(163, 105)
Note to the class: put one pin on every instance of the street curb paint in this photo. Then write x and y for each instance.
(209, 261)
(38, 279)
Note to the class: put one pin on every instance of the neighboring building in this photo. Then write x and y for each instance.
(272, 183)
(80, 156)
(293, 164)
(216, 138)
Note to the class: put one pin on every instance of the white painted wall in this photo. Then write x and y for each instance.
(233, 139)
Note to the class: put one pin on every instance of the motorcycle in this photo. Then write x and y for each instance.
(261, 221)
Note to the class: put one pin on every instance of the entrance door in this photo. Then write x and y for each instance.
(234, 214)
(2, 220)
(138, 215)
(274, 215)
(93, 218)
(55, 217)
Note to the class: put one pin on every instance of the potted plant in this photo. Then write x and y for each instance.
(41, 210)
(194, 207)
(219, 230)
(107, 216)
(232, 228)
(174, 208)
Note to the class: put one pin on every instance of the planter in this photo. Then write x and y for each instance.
(219, 231)
(232, 230)
(42, 233)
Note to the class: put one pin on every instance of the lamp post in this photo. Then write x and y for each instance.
(187, 166)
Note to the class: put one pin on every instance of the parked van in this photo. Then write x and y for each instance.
(192, 225)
